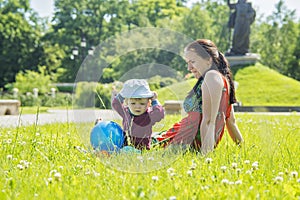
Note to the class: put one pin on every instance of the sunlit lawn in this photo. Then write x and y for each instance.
(42, 163)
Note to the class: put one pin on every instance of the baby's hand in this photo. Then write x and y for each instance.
(155, 95)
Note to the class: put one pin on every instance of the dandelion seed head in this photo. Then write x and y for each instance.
(238, 182)
(9, 157)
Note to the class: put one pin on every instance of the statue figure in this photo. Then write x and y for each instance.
(240, 20)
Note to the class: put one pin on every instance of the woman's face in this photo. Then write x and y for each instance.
(196, 64)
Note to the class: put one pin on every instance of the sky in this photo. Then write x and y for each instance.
(45, 7)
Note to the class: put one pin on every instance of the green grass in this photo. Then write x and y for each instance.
(41, 109)
(40, 162)
(33, 109)
(257, 86)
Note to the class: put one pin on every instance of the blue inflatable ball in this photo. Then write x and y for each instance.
(107, 136)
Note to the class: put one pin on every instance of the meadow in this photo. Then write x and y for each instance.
(54, 162)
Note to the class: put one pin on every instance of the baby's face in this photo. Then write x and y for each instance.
(138, 106)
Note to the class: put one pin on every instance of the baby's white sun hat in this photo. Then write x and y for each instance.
(136, 88)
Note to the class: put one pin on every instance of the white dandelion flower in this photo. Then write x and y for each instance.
(238, 170)
(142, 194)
(294, 174)
(255, 165)
(190, 172)
(223, 168)
(9, 157)
(278, 179)
(155, 178)
(150, 158)
(20, 167)
(234, 165)
(208, 160)
(52, 172)
(225, 181)
(96, 174)
(50, 180)
(57, 176)
(238, 182)
(247, 162)
(170, 170)
(193, 166)
(172, 198)
(205, 187)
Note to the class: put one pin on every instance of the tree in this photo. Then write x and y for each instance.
(19, 39)
(276, 39)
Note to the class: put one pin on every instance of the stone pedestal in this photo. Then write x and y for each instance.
(241, 60)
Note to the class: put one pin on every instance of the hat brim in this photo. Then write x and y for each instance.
(136, 96)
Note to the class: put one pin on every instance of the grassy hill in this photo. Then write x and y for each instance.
(262, 86)
(257, 86)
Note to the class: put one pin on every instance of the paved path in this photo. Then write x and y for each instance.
(57, 116)
(81, 116)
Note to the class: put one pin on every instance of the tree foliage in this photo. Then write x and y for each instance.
(28, 42)
(19, 39)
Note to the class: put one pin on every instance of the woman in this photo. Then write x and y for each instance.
(209, 103)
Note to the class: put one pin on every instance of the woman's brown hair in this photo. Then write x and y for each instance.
(207, 49)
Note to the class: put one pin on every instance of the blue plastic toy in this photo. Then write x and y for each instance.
(130, 149)
(107, 136)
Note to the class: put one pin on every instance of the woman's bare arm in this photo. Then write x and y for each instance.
(233, 129)
(211, 96)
